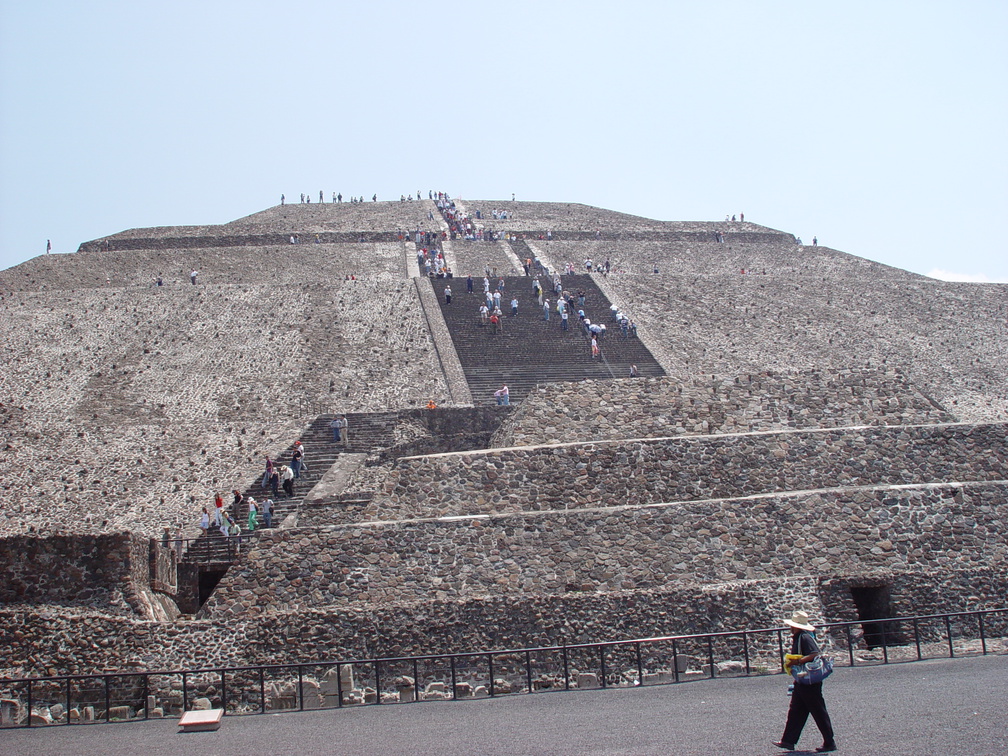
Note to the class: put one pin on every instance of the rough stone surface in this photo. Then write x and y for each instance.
(617, 509)
(111, 571)
(39, 641)
(898, 528)
(596, 410)
(562, 476)
(131, 406)
(948, 338)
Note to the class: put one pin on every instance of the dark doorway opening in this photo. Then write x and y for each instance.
(873, 603)
(208, 580)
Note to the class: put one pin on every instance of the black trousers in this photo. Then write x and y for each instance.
(805, 700)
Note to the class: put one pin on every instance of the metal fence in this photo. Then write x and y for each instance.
(121, 696)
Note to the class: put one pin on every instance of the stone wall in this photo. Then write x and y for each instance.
(107, 571)
(568, 220)
(261, 265)
(768, 400)
(129, 406)
(698, 255)
(163, 568)
(55, 641)
(342, 217)
(443, 430)
(604, 473)
(864, 529)
(295, 218)
(84, 642)
(949, 339)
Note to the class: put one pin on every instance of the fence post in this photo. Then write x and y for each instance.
(146, 713)
(490, 662)
(262, 690)
(917, 637)
(780, 649)
(948, 630)
(566, 669)
(602, 663)
(185, 694)
(640, 666)
(108, 701)
(339, 686)
(528, 669)
(300, 689)
(223, 690)
(850, 645)
(377, 680)
(416, 681)
(885, 648)
(675, 662)
(983, 638)
(454, 685)
(710, 655)
(28, 718)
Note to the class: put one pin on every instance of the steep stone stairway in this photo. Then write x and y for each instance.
(367, 432)
(321, 453)
(532, 350)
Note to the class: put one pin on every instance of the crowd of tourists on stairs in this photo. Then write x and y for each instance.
(433, 263)
(566, 304)
(260, 513)
(461, 226)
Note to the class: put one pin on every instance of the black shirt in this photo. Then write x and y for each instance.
(804, 643)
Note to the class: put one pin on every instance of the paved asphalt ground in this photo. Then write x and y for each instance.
(930, 707)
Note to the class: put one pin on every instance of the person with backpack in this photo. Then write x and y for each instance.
(806, 697)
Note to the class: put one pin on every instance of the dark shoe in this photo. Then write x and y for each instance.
(785, 746)
(826, 747)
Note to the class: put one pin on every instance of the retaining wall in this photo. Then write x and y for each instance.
(621, 548)
(949, 338)
(686, 468)
(112, 571)
(734, 404)
(67, 641)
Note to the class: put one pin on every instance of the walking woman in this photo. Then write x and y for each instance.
(806, 698)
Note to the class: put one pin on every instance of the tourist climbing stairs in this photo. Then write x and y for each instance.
(320, 454)
(367, 433)
(532, 350)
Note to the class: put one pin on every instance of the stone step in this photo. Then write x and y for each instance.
(531, 349)
(367, 432)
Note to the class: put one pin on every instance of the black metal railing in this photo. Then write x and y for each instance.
(212, 548)
(624, 663)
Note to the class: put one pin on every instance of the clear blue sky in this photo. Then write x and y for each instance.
(880, 127)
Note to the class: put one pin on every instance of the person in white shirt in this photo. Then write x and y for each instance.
(503, 398)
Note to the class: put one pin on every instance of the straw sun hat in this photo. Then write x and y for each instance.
(800, 621)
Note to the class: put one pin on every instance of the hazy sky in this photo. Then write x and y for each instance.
(881, 127)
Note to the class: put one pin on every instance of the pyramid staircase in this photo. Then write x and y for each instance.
(367, 432)
(532, 350)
